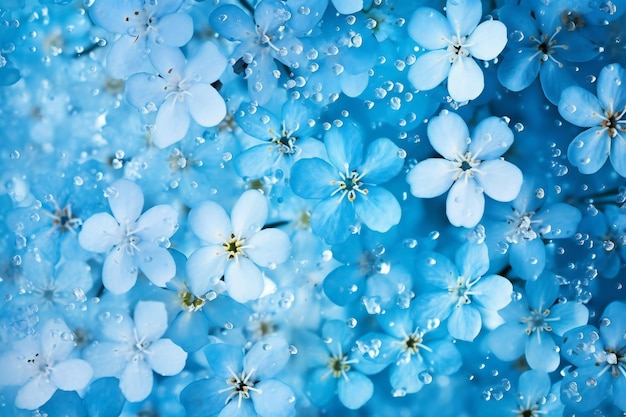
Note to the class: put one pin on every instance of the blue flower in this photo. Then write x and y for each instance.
(44, 365)
(540, 45)
(416, 352)
(459, 291)
(471, 166)
(336, 369)
(286, 139)
(453, 43)
(348, 185)
(602, 115)
(133, 348)
(182, 90)
(599, 358)
(607, 239)
(146, 28)
(242, 385)
(131, 241)
(533, 322)
(237, 246)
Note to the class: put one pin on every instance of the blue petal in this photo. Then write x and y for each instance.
(465, 80)
(206, 105)
(508, 340)
(429, 28)
(275, 399)
(143, 89)
(580, 345)
(267, 357)
(436, 270)
(185, 328)
(126, 57)
(541, 353)
(444, 359)
(472, 259)
(491, 138)
(501, 180)
(348, 6)
(528, 258)
(487, 40)
(542, 292)
(534, 386)
(613, 328)
(172, 123)
(232, 23)
(581, 108)
(119, 272)
(378, 209)
(403, 375)
(580, 393)
(618, 154)
(320, 386)
(558, 221)
(611, 92)
(464, 323)
(465, 203)
(354, 391)
(554, 79)
(448, 135)
(175, 29)
(339, 336)
(344, 285)
(344, 146)
(436, 305)
(224, 359)
(571, 315)
(303, 22)
(519, 68)
(257, 161)
(430, 69)
(492, 292)
(312, 178)
(202, 398)
(332, 219)
(382, 161)
(589, 150)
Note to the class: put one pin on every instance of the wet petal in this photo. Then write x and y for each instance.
(100, 233)
(431, 177)
(268, 247)
(466, 80)
(126, 201)
(519, 68)
(206, 105)
(465, 203)
(243, 279)
(210, 223)
(119, 272)
(430, 69)
(581, 108)
(611, 91)
(500, 180)
(378, 209)
(166, 358)
(172, 122)
(249, 213)
(487, 40)
(589, 150)
(267, 357)
(429, 28)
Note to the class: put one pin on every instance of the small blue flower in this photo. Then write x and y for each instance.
(453, 43)
(131, 240)
(603, 116)
(599, 358)
(471, 166)
(458, 291)
(532, 323)
(348, 185)
(242, 385)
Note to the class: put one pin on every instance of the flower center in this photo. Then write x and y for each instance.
(413, 342)
(466, 165)
(286, 144)
(456, 48)
(190, 302)
(546, 47)
(463, 290)
(240, 386)
(615, 362)
(522, 226)
(349, 184)
(613, 122)
(234, 247)
(538, 321)
(339, 365)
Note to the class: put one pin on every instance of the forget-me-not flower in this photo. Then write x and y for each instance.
(237, 246)
(603, 115)
(132, 241)
(453, 44)
(471, 166)
(348, 185)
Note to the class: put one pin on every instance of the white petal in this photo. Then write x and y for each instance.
(136, 381)
(466, 80)
(206, 105)
(243, 279)
(249, 213)
(53, 345)
(150, 320)
(430, 69)
(126, 200)
(431, 177)
(172, 122)
(119, 272)
(268, 247)
(157, 222)
(35, 393)
(99, 233)
(72, 374)
(465, 203)
(210, 223)
(206, 65)
(448, 134)
(155, 262)
(487, 40)
(166, 357)
(501, 180)
(203, 266)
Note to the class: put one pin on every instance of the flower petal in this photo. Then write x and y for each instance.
(150, 319)
(430, 69)
(558, 221)
(378, 209)
(232, 23)
(541, 353)
(507, 341)
(465, 80)
(354, 391)
(487, 40)
(589, 150)
(175, 29)
(136, 381)
(119, 272)
(464, 323)
(71, 375)
(500, 180)
(618, 154)
(611, 92)
(491, 138)
(210, 223)
(492, 292)
(204, 266)
(206, 105)
(448, 135)
(267, 357)
(35, 393)
(307, 185)
(519, 68)
(431, 177)
(249, 213)
(126, 200)
(172, 122)
(332, 219)
(100, 233)
(581, 108)
(166, 358)
(429, 28)
(344, 146)
(243, 279)
(383, 161)
(463, 15)
(465, 203)
(268, 247)
(275, 399)
(528, 258)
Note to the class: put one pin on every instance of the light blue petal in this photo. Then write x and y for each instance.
(348, 6)
(268, 247)
(275, 399)
(431, 177)
(261, 80)
(444, 359)
(613, 328)
(581, 108)
(236, 409)
(206, 65)
(436, 305)
(257, 161)
(571, 314)
(172, 123)
(204, 266)
(175, 29)
(579, 393)
(429, 28)
(35, 393)
(232, 23)
(312, 178)
(611, 92)
(472, 259)
(404, 375)
(448, 135)
(157, 222)
(554, 80)
(463, 15)
(378, 209)
(465, 203)
(436, 270)
(487, 40)
(267, 357)
(155, 262)
(210, 223)
(430, 69)
(186, 327)
(519, 68)
(528, 258)
(126, 201)
(464, 323)
(332, 219)
(558, 221)
(127, 56)
(618, 154)
(320, 386)
(99, 233)
(541, 353)
(150, 319)
(589, 150)
(224, 359)
(344, 285)
(258, 122)
(339, 336)
(166, 357)
(243, 280)
(206, 105)
(119, 272)
(344, 146)
(111, 15)
(136, 381)
(580, 345)
(143, 89)
(492, 292)
(500, 180)
(491, 138)
(542, 292)
(303, 22)
(465, 80)
(619, 393)
(382, 161)
(533, 387)
(354, 391)
(71, 375)
(507, 341)
(249, 213)
(202, 398)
